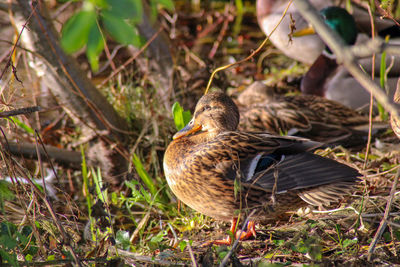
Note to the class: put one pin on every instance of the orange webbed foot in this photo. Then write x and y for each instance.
(251, 231)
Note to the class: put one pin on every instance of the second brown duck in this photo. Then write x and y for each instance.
(309, 116)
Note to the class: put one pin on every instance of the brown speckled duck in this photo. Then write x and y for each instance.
(222, 172)
(307, 116)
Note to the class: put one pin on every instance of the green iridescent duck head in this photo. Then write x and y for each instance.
(214, 113)
(338, 19)
(315, 80)
(342, 22)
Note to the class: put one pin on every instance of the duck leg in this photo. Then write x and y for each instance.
(251, 231)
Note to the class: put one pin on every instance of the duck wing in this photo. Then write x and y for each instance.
(281, 164)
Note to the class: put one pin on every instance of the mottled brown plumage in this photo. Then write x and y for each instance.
(307, 116)
(273, 174)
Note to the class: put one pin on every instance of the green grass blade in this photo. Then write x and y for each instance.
(144, 175)
(22, 125)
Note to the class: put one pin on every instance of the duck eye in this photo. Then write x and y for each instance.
(207, 107)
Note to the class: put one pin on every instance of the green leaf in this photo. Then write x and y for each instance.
(382, 70)
(168, 4)
(7, 228)
(348, 242)
(99, 3)
(182, 245)
(236, 188)
(383, 82)
(98, 181)
(10, 258)
(158, 238)
(75, 33)
(22, 125)
(397, 234)
(123, 238)
(29, 258)
(181, 117)
(51, 257)
(127, 9)
(144, 175)
(121, 31)
(278, 242)
(5, 192)
(95, 46)
(8, 242)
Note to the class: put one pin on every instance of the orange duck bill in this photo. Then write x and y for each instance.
(190, 128)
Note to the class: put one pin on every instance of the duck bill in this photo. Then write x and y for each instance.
(303, 32)
(188, 129)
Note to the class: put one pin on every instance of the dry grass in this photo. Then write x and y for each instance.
(71, 222)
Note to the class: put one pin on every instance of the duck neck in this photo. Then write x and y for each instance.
(313, 82)
(202, 137)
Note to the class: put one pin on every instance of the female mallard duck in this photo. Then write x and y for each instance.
(222, 172)
(325, 77)
(307, 116)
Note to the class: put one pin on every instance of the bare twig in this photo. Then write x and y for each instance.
(374, 46)
(393, 224)
(344, 54)
(140, 226)
(383, 224)
(385, 13)
(19, 111)
(9, 62)
(371, 103)
(192, 257)
(28, 150)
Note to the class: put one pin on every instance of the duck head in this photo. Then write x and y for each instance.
(340, 21)
(324, 67)
(214, 113)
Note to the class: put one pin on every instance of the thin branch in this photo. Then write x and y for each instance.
(344, 54)
(27, 150)
(374, 46)
(383, 224)
(192, 257)
(19, 111)
(371, 99)
(9, 62)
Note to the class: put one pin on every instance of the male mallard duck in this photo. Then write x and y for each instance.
(307, 116)
(305, 49)
(325, 77)
(222, 172)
